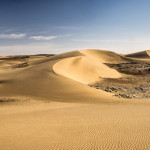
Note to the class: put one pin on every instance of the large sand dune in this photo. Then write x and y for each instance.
(38, 80)
(84, 70)
(46, 104)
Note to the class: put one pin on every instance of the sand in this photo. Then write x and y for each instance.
(84, 69)
(53, 108)
(140, 55)
(75, 126)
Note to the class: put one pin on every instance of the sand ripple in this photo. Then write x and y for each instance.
(76, 127)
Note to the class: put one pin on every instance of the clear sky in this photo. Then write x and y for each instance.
(56, 26)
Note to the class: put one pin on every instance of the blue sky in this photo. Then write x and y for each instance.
(56, 26)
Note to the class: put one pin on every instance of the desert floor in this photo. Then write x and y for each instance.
(65, 126)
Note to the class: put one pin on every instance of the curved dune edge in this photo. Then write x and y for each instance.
(84, 69)
(142, 55)
(148, 52)
(104, 56)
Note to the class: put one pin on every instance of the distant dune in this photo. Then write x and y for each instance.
(140, 55)
(67, 101)
(104, 56)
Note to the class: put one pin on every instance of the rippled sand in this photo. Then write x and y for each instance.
(62, 126)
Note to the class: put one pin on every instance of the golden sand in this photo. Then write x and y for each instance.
(54, 109)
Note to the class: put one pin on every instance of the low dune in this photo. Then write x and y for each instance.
(140, 55)
(104, 56)
(51, 102)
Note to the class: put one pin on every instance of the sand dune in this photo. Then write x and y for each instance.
(140, 55)
(104, 56)
(46, 104)
(54, 77)
(84, 70)
(39, 81)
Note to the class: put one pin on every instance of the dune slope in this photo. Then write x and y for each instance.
(84, 70)
(104, 56)
(39, 81)
(140, 55)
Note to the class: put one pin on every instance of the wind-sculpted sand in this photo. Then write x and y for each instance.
(65, 126)
(46, 103)
(84, 70)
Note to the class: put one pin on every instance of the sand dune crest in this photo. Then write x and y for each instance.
(104, 56)
(140, 55)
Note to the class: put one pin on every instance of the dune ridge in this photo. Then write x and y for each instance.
(140, 55)
(104, 56)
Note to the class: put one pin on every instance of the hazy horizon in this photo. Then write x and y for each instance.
(52, 27)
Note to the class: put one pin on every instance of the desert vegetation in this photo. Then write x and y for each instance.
(133, 68)
(134, 84)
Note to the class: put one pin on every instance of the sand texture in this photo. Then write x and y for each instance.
(71, 101)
